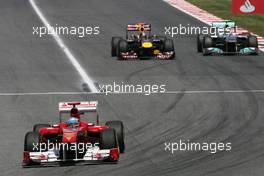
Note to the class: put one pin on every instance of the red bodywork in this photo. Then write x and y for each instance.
(69, 134)
(85, 132)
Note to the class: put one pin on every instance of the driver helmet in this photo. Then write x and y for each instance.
(73, 122)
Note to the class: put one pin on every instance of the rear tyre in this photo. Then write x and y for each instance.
(122, 48)
(120, 133)
(32, 139)
(37, 127)
(200, 43)
(114, 45)
(108, 139)
(169, 46)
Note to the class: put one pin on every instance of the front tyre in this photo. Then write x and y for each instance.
(122, 48)
(32, 142)
(108, 139)
(200, 43)
(207, 43)
(114, 45)
(169, 46)
(252, 41)
(120, 133)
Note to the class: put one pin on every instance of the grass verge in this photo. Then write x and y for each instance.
(223, 9)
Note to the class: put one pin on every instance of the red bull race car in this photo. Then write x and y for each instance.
(140, 43)
(73, 139)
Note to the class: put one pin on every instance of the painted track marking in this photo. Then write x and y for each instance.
(141, 93)
(86, 78)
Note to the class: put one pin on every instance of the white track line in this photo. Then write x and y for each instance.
(87, 79)
(139, 93)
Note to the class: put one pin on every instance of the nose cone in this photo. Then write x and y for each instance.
(69, 135)
(147, 45)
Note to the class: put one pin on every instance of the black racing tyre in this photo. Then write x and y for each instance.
(32, 139)
(252, 41)
(120, 133)
(200, 43)
(114, 45)
(108, 139)
(37, 127)
(168, 45)
(207, 42)
(122, 48)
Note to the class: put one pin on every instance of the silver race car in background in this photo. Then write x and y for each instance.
(228, 42)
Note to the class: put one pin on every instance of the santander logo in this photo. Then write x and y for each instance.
(247, 7)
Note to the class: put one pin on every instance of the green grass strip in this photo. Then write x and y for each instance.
(223, 9)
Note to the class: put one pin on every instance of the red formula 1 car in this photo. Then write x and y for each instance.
(74, 140)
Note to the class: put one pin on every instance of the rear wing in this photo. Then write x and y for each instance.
(141, 27)
(224, 24)
(83, 106)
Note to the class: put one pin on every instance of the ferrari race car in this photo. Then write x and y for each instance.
(228, 42)
(74, 140)
(140, 43)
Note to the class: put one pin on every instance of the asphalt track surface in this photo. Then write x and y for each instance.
(33, 64)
